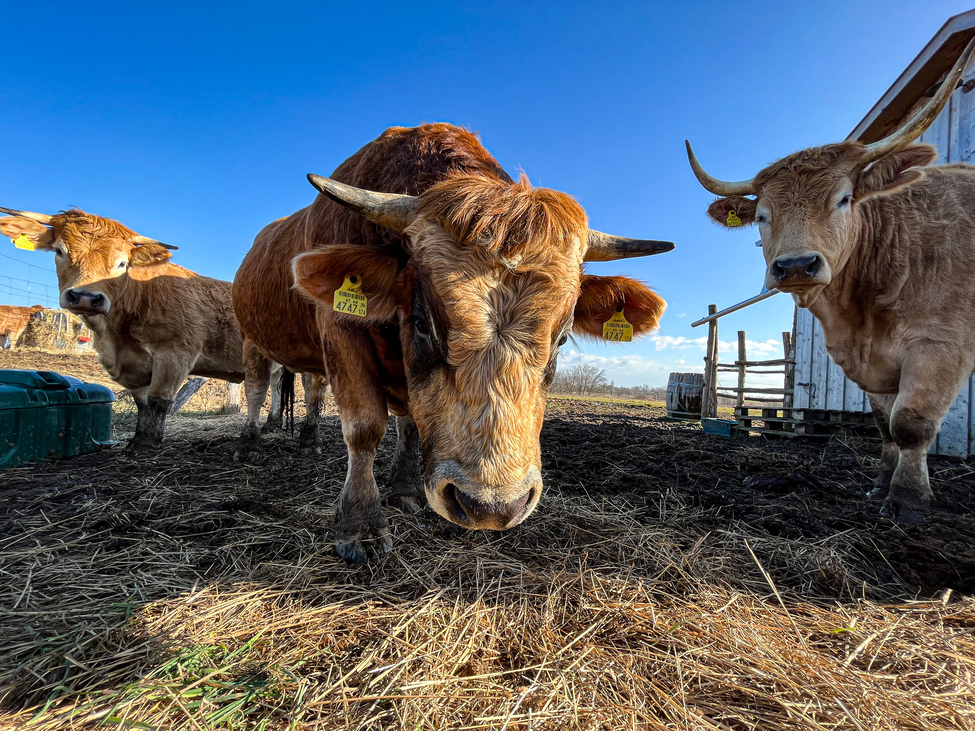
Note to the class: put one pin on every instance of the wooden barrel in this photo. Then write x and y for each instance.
(684, 392)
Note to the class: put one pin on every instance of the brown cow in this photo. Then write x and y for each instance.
(879, 247)
(154, 322)
(13, 322)
(471, 283)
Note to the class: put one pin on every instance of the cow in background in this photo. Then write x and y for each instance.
(13, 322)
(154, 323)
(880, 247)
(263, 373)
(469, 283)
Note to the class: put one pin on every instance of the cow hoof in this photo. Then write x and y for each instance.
(271, 425)
(878, 491)
(138, 445)
(368, 539)
(407, 499)
(903, 514)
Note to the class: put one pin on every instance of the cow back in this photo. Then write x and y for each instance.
(401, 160)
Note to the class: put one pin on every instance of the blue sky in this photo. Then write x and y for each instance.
(196, 123)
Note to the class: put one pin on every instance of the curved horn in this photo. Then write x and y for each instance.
(603, 247)
(145, 240)
(923, 118)
(390, 210)
(39, 217)
(713, 185)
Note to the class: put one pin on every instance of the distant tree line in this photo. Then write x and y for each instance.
(585, 379)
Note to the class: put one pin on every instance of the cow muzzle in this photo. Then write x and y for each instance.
(476, 506)
(797, 271)
(82, 302)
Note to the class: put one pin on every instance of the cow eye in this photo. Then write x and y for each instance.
(562, 340)
(760, 218)
(421, 326)
(845, 201)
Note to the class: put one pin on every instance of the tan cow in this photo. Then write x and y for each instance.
(154, 323)
(881, 249)
(13, 322)
(470, 284)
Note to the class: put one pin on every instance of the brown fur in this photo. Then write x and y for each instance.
(895, 292)
(465, 312)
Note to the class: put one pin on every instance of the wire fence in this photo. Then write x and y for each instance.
(24, 283)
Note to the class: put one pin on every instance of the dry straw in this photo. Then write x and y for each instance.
(186, 591)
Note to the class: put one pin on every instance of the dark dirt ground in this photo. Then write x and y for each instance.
(807, 492)
(810, 491)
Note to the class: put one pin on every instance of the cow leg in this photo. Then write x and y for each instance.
(257, 375)
(361, 529)
(169, 370)
(274, 417)
(928, 386)
(315, 389)
(881, 404)
(140, 396)
(405, 476)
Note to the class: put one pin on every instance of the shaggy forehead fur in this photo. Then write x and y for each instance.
(528, 227)
(79, 229)
(809, 174)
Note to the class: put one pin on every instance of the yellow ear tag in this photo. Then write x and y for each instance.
(733, 219)
(617, 328)
(22, 242)
(348, 299)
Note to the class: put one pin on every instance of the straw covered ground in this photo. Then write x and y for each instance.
(667, 580)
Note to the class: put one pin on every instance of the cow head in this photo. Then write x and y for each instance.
(807, 204)
(93, 255)
(491, 289)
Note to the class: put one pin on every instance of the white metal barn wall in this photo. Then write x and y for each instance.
(820, 384)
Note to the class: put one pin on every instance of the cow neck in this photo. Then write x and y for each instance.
(872, 282)
(139, 293)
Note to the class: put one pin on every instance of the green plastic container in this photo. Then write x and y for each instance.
(44, 415)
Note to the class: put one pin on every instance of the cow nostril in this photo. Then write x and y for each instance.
(518, 506)
(449, 494)
(98, 300)
(72, 297)
(813, 269)
(777, 271)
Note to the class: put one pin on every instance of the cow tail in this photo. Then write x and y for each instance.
(288, 398)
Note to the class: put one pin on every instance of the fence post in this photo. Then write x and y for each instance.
(709, 399)
(789, 382)
(742, 358)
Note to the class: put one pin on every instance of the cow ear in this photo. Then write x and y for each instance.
(733, 212)
(147, 255)
(372, 272)
(894, 170)
(600, 298)
(40, 235)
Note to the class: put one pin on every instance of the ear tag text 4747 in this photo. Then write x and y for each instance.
(22, 242)
(733, 219)
(617, 328)
(348, 299)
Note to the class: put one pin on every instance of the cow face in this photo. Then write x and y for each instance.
(806, 205)
(806, 209)
(492, 289)
(93, 255)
